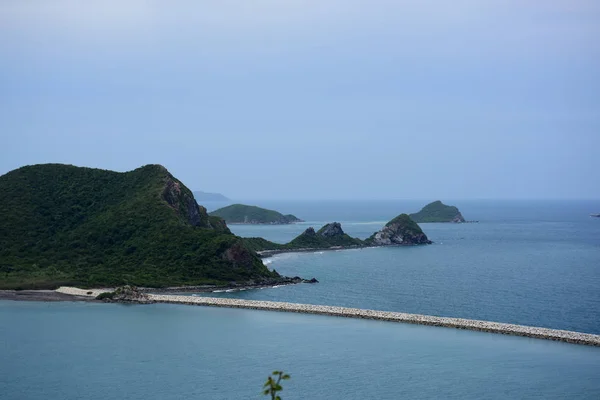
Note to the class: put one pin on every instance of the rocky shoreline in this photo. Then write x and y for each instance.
(459, 323)
(264, 283)
(270, 253)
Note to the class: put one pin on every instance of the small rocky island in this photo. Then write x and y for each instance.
(400, 231)
(244, 214)
(438, 212)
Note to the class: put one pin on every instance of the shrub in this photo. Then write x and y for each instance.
(105, 295)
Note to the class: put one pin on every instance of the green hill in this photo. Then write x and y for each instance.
(438, 212)
(243, 214)
(61, 225)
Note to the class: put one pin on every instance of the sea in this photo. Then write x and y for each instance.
(534, 262)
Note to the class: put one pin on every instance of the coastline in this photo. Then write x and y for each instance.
(76, 294)
(46, 296)
(269, 253)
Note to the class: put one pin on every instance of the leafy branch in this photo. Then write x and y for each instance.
(272, 385)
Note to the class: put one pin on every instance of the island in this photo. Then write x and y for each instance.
(200, 196)
(66, 225)
(400, 231)
(438, 212)
(244, 214)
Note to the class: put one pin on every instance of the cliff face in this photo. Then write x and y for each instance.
(402, 230)
(184, 204)
(182, 201)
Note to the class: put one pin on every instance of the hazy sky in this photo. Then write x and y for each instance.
(310, 99)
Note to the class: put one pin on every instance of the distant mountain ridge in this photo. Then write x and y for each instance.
(199, 195)
(244, 214)
(67, 225)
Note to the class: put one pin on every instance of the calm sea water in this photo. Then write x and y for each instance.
(533, 263)
(530, 263)
(72, 351)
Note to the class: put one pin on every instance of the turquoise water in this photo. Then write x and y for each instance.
(529, 263)
(107, 351)
(533, 263)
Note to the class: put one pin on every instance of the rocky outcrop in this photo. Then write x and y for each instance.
(331, 230)
(184, 204)
(126, 294)
(402, 230)
(330, 235)
(458, 218)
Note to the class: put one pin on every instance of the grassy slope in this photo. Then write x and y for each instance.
(238, 213)
(61, 224)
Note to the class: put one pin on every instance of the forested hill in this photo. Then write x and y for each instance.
(243, 214)
(438, 212)
(61, 224)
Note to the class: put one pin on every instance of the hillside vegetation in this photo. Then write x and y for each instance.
(66, 225)
(243, 214)
(438, 212)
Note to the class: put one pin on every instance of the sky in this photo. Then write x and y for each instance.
(340, 99)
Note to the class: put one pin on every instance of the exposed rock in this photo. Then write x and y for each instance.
(310, 232)
(400, 231)
(184, 203)
(331, 229)
(130, 294)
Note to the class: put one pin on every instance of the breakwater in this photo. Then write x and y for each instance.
(460, 323)
(448, 322)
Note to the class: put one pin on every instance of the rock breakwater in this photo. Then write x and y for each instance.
(459, 323)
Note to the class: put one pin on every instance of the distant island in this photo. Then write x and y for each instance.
(66, 225)
(401, 230)
(244, 214)
(438, 212)
(206, 196)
